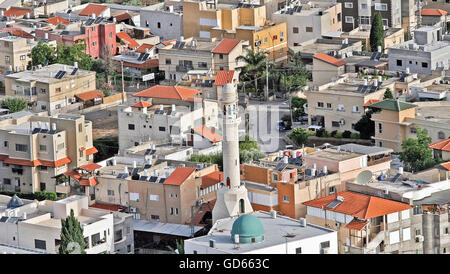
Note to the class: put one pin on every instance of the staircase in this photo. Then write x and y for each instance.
(372, 245)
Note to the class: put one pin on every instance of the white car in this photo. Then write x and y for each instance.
(314, 128)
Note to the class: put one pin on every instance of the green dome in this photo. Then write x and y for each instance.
(249, 228)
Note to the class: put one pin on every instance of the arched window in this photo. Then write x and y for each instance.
(241, 206)
(441, 135)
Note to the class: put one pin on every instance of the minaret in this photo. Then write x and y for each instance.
(232, 198)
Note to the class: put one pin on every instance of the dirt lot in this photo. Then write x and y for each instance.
(104, 122)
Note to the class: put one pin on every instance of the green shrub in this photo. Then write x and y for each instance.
(354, 135)
(333, 133)
(346, 134)
(320, 132)
(338, 135)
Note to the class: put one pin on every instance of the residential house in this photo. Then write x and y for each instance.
(164, 20)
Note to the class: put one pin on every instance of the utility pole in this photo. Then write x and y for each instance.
(123, 84)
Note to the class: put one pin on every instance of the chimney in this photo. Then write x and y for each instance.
(54, 126)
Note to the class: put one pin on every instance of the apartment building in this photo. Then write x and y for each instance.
(427, 192)
(37, 149)
(310, 20)
(152, 190)
(165, 114)
(428, 51)
(138, 62)
(264, 233)
(339, 105)
(326, 69)
(15, 53)
(164, 19)
(365, 224)
(37, 225)
(98, 33)
(397, 121)
(360, 13)
(50, 88)
(225, 54)
(434, 17)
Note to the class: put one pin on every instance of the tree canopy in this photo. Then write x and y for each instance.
(42, 53)
(299, 136)
(72, 239)
(255, 65)
(388, 94)
(416, 153)
(14, 104)
(377, 33)
(366, 126)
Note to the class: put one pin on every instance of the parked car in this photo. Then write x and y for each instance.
(314, 128)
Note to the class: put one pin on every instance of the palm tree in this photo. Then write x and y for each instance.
(255, 64)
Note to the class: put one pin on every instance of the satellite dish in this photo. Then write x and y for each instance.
(364, 177)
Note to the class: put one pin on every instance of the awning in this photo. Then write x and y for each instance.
(356, 225)
(91, 151)
(34, 163)
(89, 182)
(91, 167)
(164, 228)
(90, 95)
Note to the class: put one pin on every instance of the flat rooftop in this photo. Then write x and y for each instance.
(333, 154)
(276, 231)
(9, 249)
(48, 74)
(433, 111)
(368, 150)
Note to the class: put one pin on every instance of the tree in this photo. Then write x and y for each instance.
(76, 53)
(377, 33)
(388, 94)
(255, 65)
(14, 104)
(366, 126)
(45, 195)
(42, 53)
(179, 249)
(416, 153)
(72, 239)
(248, 143)
(299, 136)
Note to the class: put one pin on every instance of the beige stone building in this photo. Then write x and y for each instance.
(36, 149)
(339, 105)
(15, 53)
(52, 88)
(397, 121)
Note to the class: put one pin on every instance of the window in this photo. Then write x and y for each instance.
(298, 250)
(424, 65)
(154, 217)
(380, 128)
(348, 5)
(6, 181)
(110, 35)
(21, 147)
(60, 146)
(446, 230)
(364, 20)
(39, 244)
(159, 25)
(385, 22)
(399, 63)
(285, 198)
(349, 19)
(406, 234)
(95, 239)
(309, 29)
(265, 40)
(413, 130)
(118, 235)
(80, 127)
(168, 61)
(171, 211)
(335, 124)
(275, 177)
(162, 129)
(363, 6)
(5, 143)
(441, 135)
(154, 197)
(43, 168)
(110, 192)
(58, 89)
(295, 30)
(43, 90)
(130, 126)
(328, 105)
(202, 64)
(418, 232)
(42, 186)
(220, 56)
(176, 211)
(331, 190)
(42, 148)
(355, 109)
(94, 44)
(281, 34)
(405, 214)
(86, 84)
(379, 6)
(7, 59)
(22, 57)
(394, 237)
(320, 104)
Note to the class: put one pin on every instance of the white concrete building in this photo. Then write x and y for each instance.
(264, 233)
(37, 225)
(164, 20)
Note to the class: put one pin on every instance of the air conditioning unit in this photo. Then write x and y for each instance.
(419, 238)
(132, 209)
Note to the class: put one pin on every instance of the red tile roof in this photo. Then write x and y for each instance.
(141, 104)
(226, 46)
(207, 133)
(224, 77)
(89, 95)
(93, 9)
(167, 92)
(441, 145)
(89, 182)
(143, 47)
(91, 151)
(122, 17)
(359, 205)
(74, 174)
(329, 59)
(371, 101)
(21, 33)
(446, 165)
(37, 162)
(57, 20)
(108, 207)
(165, 43)
(433, 12)
(91, 167)
(16, 12)
(179, 175)
(356, 225)
(124, 36)
(211, 179)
